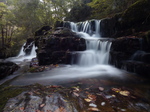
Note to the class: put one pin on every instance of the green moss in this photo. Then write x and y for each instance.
(136, 14)
(148, 36)
(33, 69)
(8, 92)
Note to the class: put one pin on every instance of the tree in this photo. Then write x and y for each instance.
(107, 8)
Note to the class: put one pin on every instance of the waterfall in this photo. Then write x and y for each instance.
(33, 53)
(97, 49)
(22, 56)
(21, 53)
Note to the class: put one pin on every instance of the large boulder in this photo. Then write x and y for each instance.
(127, 53)
(43, 31)
(137, 67)
(109, 27)
(57, 47)
(7, 68)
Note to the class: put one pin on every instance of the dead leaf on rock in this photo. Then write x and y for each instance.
(21, 108)
(116, 90)
(42, 105)
(48, 111)
(87, 100)
(113, 95)
(36, 92)
(93, 109)
(92, 97)
(56, 65)
(61, 109)
(30, 93)
(38, 111)
(55, 86)
(76, 89)
(101, 88)
(76, 94)
(124, 93)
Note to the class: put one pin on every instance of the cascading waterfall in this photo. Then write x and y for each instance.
(21, 53)
(33, 53)
(93, 62)
(22, 56)
(97, 50)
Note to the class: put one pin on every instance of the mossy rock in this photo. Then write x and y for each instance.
(7, 93)
(136, 15)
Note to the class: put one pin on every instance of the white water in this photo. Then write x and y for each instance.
(21, 53)
(93, 62)
(22, 56)
(97, 50)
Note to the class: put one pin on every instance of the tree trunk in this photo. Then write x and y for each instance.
(3, 40)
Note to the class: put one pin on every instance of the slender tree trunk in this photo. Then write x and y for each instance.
(3, 40)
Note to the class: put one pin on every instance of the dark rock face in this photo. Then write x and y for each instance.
(135, 19)
(57, 47)
(43, 31)
(137, 15)
(7, 68)
(126, 54)
(140, 68)
(109, 27)
(28, 46)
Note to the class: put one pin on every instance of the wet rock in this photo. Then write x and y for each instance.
(122, 49)
(146, 58)
(43, 31)
(28, 46)
(137, 67)
(54, 98)
(63, 32)
(109, 26)
(56, 48)
(126, 54)
(7, 68)
(58, 24)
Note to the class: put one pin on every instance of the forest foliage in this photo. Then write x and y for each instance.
(19, 19)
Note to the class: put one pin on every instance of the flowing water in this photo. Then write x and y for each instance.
(93, 62)
(89, 71)
(22, 56)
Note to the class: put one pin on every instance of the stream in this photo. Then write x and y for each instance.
(88, 69)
